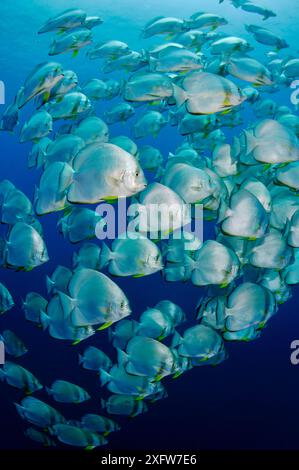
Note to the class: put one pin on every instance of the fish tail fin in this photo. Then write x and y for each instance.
(49, 284)
(176, 339)
(80, 359)
(152, 61)
(222, 211)
(122, 357)
(45, 320)
(180, 95)
(105, 255)
(251, 141)
(286, 229)
(105, 377)
(78, 318)
(20, 410)
(175, 273)
(48, 390)
(67, 302)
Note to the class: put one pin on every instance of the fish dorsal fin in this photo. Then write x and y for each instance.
(77, 317)
(153, 20)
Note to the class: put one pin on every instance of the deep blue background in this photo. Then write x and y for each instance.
(248, 402)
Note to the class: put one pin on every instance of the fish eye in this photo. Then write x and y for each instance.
(136, 173)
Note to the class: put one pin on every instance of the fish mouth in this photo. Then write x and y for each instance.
(126, 312)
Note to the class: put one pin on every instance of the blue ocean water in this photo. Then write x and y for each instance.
(247, 402)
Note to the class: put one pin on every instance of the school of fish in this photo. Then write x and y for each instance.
(200, 80)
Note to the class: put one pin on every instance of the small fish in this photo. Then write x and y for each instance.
(202, 344)
(80, 224)
(119, 113)
(72, 41)
(150, 123)
(271, 252)
(267, 37)
(126, 144)
(69, 19)
(95, 89)
(124, 405)
(10, 117)
(163, 25)
(33, 305)
(178, 60)
(214, 263)
(77, 437)
(246, 217)
(249, 69)
(107, 304)
(38, 126)
(109, 50)
(147, 357)
(260, 10)
(6, 300)
(249, 305)
(63, 149)
(25, 249)
(87, 257)
(95, 359)
(41, 80)
(66, 392)
(148, 87)
(207, 93)
(104, 171)
(59, 280)
(55, 181)
(92, 21)
(100, 424)
(39, 413)
(229, 45)
(132, 257)
(14, 346)
(118, 381)
(39, 437)
(206, 20)
(122, 332)
(70, 106)
(92, 129)
(18, 377)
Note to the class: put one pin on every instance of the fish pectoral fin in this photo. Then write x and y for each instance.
(177, 374)
(138, 275)
(111, 199)
(226, 111)
(46, 96)
(104, 326)
(158, 378)
(89, 448)
(75, 53)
